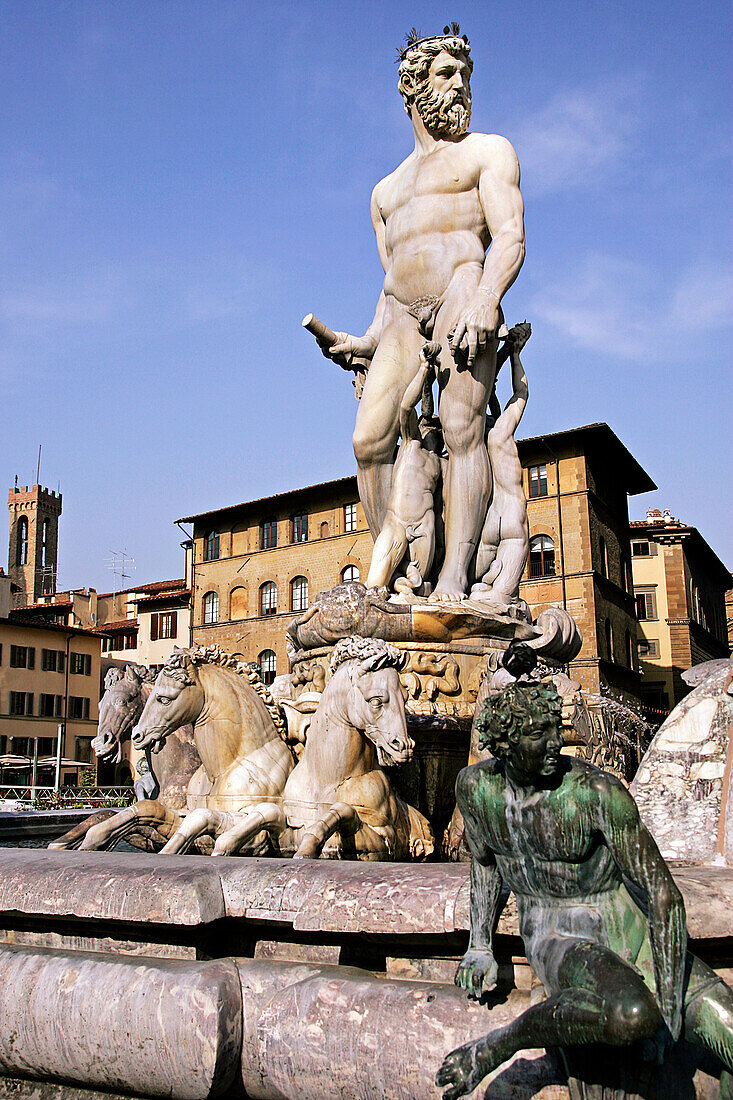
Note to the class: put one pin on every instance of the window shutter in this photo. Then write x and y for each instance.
(31, 658)
(154, 627)
(29, 701)
(174, 624)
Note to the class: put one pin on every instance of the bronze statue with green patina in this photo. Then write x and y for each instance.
(563, 836)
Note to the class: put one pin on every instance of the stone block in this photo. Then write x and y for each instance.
(162, 1028)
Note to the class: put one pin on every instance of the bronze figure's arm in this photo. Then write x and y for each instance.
(637, 855)
(477, 972)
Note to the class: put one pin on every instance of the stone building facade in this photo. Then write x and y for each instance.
(252, 566)
(33, 544)
(49, 678)
(577, 484)
(580, 555)
(680, 587)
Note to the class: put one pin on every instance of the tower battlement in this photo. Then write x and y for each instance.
(33, 546)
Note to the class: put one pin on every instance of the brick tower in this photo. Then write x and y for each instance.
(33, 553)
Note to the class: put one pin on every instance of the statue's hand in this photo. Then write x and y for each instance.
(347, 348)
(477, 973)
(476, 325)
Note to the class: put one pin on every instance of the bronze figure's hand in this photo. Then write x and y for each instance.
(477, 973)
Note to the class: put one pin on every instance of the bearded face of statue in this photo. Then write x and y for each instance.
(443, 99)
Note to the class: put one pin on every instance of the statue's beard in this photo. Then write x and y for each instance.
(442, 115)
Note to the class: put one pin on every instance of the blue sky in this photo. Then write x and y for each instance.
(180, 182)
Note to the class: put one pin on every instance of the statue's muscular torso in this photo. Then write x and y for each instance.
(434, 221)
(548, 844)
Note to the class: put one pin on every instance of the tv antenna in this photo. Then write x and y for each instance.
(119, 562)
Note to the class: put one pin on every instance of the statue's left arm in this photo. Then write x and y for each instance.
(503, 210)
(637, 855)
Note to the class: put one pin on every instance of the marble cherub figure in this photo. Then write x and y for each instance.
(562, 835)
(435, 216)
(409, 525)
(504, 543)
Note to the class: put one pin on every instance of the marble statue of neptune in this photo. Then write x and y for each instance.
(449, 223)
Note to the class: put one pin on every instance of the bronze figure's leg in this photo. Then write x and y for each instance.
(601, 1000)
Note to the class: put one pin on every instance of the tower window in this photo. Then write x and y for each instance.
(538, 481)
(21, 550)
(299, 528)
(542, 556)
(299, 594)
(268, 665)
(211, 608)
(44, 544)
(268, 598)
(268, 534)
(211, 546)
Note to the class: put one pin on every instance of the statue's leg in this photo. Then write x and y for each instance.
(393, 367)
(462, 409)
(389, 549)
(709, 1016)
(341, 818)
(197, 823)
(267, 817)
(147, 813)
(602, 1000)
(74, 837)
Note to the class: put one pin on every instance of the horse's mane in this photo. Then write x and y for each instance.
(175, 667)
(376, 652)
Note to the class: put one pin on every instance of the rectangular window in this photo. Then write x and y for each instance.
(52, 660)
(84, 750)
(648, 648)
(538, 481)
(163, 624)
(21, 702)
(80, 664)
(646, 603)
(349, 518)
(642, 548)
(22, 656)
(268, 534)
(78, 707)
(299, 528)
(49, 706)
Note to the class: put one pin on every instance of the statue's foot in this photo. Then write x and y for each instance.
(462, 1071)
(449, 589)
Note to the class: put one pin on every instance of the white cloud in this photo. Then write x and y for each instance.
(611, 306)
(579, 136)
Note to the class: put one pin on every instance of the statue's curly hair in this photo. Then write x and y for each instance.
(378, 653)
(414, 67)
(518, 707)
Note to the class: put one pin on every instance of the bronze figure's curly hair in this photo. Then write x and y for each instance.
(518, 707)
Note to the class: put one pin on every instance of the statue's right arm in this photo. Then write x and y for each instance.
(478, 972)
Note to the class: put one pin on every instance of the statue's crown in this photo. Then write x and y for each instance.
(413, 39)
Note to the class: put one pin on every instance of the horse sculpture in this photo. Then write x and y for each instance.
(239, 734)
(126, 692)
(337, 802)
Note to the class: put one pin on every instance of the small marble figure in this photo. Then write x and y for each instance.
(563, 835)
(409, 525)
(504, 543)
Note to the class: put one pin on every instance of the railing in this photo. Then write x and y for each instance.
(48, 798)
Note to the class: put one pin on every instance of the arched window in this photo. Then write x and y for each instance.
(542, 556)
(211, 608)
(21, 550)
(238, 603)
(268, 598)
(350, 573)
(604, 556)
(299, 594)
(44, 543)
(211, 546)
(268, 665)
